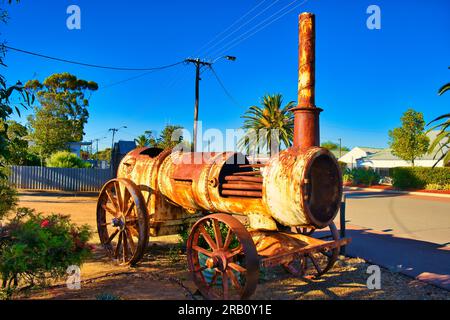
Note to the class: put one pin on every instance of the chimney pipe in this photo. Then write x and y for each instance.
(306, 114)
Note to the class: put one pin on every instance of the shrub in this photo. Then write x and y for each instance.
(34, 248)
(362, 176)
(8, 198)
(420, 177)
(65, 159)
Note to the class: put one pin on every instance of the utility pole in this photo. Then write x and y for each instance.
(198, 63)
(114, 130)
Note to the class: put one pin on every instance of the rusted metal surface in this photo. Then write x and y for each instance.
(301, 188)
(122, 221)
(306, 114)
(231, 266)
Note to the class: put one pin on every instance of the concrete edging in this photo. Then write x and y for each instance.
(414, 193)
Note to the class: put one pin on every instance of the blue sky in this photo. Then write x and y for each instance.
(365, 78)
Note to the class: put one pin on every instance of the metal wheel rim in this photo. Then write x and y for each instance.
(125, 215)
(229, 278)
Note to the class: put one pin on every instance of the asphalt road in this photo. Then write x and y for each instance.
(409, 234)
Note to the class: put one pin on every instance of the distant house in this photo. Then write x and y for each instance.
(383, 159)
(119, 151)
(75, 147)
(351, 158)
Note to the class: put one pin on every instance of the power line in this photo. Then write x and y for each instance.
(243, 25)
(223, 86)
(92, 65)
(268, 22)
(217, 36)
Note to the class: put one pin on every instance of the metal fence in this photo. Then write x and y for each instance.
(58, 179)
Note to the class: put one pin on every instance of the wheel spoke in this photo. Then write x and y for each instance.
(116, 251)
(214, 278)
(217, 233)
(126, 198)
(315, 263)
(112, 236)
(207, 237)
(237, 267)
(118, 195)
(225, 285)
(130, 241)
(129, 209)
(112, 199)
(235, 252)
(111, 211)
(228, 239)
(201, 250)
(124, 247)
(234, 280)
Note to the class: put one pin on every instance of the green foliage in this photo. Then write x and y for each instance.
(142, 141)
(62, 113)
(103, 155)
(170, 137)
(409, 141)
(17, 151)
(442, 142)
(361, 176)
(8, 198)
(260, 121)
(330, 145)
(34, 248)
(65, 159)
(419, 177)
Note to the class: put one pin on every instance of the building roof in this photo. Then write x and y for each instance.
(370, 150)
(386, 154)
(336, 153)
(124, 146)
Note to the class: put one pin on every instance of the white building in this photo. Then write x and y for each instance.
(352, 157)
(383, 159)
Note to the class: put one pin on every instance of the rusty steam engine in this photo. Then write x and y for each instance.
(245, 216)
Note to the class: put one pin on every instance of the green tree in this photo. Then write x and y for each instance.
(271, 115)
(103, 155)
(66, 159)
(62, 112)
(142, 141)
(442, 141)
(18, 151)
(169, 137)
(332, 146)
(7, 108)
(409, 141)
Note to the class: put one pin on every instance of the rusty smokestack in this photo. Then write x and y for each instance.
(306, 114)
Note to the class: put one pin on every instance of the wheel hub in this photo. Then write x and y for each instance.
(218, 260)
(118, 223)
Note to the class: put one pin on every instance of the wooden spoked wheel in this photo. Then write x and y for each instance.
(315, 264)
(122, 221)
(222, 258)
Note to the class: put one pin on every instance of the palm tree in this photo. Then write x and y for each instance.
(142, 141)
(270, 116)
(444, 133)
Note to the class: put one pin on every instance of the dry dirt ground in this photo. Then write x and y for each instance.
(163, 272)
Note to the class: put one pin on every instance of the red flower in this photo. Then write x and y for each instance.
(44, 223)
